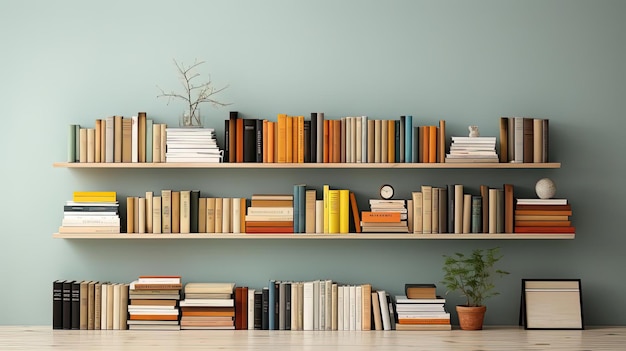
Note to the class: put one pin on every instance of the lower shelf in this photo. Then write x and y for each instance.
(353, 236)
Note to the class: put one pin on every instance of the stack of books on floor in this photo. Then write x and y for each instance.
(91, 212)
(192, 145)
(208, 306)
(473, 149)
(385, 216)
(154, 303)
(270, 213)
(543, 216)
(425, 311)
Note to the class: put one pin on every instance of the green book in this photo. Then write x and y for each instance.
(149, 124)
(71, 143)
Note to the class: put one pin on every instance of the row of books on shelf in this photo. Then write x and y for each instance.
(298, 139)
(139, 139)
(165, 303)
(432, 210)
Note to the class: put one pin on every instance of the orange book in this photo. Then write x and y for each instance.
(281, 138)
(432, 146)
(265, 141)
(239, 140)
(326, 138)
(289, 139)
(300, 141)
(195, 312)
(543, 223)
(232, 138)
(355, 213)
(271, 142)
(242, 218)
(380, 217)
(336, 140)
(425, 143)
(391, 141)
(544, 212)
(547, 230)
(441, 145)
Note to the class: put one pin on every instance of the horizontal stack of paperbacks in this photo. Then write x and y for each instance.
(543, 216)
(91, 212)
(420, 308)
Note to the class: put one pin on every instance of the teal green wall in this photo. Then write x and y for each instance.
(468, 62)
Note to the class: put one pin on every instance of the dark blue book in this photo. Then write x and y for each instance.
(271, 304)
(408, 139)
(402, 139)
(265, 305)
(397, 141)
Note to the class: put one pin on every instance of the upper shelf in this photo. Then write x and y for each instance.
(309, 165)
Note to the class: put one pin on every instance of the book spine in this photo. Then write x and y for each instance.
(477, 216)
(408, 138)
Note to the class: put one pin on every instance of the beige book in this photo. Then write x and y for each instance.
(98, 141)
(82, 152)
(378, 322)
(123, 306)
(103, 305)
(185, 220)
(91, 145)
(458, 208)
(156, 214)
(110, 305)
(219, 203)
(117, 291)
(127, 140)
(310, 204)
(467, 213)
(410, 212)
(435, 210)
(377, 140)
(226, 214)
(136, 213)
(163, 139)
(319, 216)
(210, 215)
(130, 214)
(175, 211)
(384, 139)
(110, 142)
(537, 140)
(148, 220)
(358, 135)
(84, 304)
(141, 134)
(371, 140)
(418, 222)
(166, 211)
(236, 215)
(366, 306)
(427, 208)
(156, 143)
(202, 215)
(493, 210)
(117, 138)
(91, 305)
(142, 215)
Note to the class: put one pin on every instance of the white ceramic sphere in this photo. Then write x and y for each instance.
(545, 188)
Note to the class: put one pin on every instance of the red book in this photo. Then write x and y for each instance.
(547, 230)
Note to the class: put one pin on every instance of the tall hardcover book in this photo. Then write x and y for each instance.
(249, 140)
(166, 211)
(71, 143)
(504, 140)
(57, 304)
(509, 208)
(528, 140)
(232, 136)
(260, 140)
(194, 206)
(484, 193)
(67, 304)
(127, 140)
(175, 209)
(185, 211)
(458, 208)
(477, 214)
(441, 139)
(226, 148)
(408, 138)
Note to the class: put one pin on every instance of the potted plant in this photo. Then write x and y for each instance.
(472, 276)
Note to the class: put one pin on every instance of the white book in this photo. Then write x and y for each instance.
(207, 302)
(384, 309)
(340, 308)
(328, 305)
(109, 143)
(270, 211)
(357, 310)
(364, 139)
(307, 306)
(149, 195)
(294, 306)
(518, 140)
(251, 308)
(117, 292)
(142, 215)
(319, 216)
(322, 305)
(236, 216)
(353, 307)
(358, 134)
(346, 307)
(316, 305)
(103, 306)
(541, 201)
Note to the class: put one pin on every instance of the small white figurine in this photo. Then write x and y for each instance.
(473, 131)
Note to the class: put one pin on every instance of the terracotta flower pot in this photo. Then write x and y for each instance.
(471, 318)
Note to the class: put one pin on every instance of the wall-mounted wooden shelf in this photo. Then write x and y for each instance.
(309, 165)
(352, 236)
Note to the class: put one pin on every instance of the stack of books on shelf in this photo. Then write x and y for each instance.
(208, 306)
(91, 212)
(270, 213)
(543, 216)
(192, 145)
(423, 311)
(385, 216)
(154, 303)
(472, 149)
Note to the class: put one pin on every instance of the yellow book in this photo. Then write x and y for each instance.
(271, 144)
(300, 144)
(281, 138)
(95, 196)
(333, 211)
(326, 200)
(344, 211)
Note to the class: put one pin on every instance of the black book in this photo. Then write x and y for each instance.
(277, 296)
(265, 314)
(194, 205)
(288, 306)
(67, 304)
(258, 310)
(249, 140)
(307, 141)
(72, 208)
(57, 304)
(232, 137)
(313, 137)
(259, 140)
(75, 305)
(226, 139)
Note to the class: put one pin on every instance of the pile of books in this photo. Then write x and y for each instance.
(473, 149)
(208, 306)
(154, 303)
(543, 216)
(270, 213)
(425, 311)
(91, 212)
(385, 216)
(192, 145)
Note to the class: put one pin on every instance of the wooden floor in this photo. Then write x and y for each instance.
(491, 338)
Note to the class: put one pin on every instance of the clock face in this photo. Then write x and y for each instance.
(386, 191)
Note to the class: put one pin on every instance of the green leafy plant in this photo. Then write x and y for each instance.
(472, 275)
